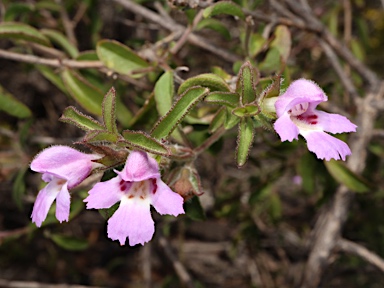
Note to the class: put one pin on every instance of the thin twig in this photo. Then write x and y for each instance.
(49, 62)
(163, 22)
(180, 270)
(26, 284)
(358, 250)
(67, 23)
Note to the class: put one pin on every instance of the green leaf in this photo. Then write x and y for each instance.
(164, 90)
(230, 119)
(345, 176)
(87, 56)
(69, 243)
(218, 120)
(224, 7)
(120, 58)
(272, 62)
(211, 81)
(228, 99)
(12, 106)
(244, 140)
(194, 210)
(143, 141)
(16, 10)
(72, 116)
(62, 41)
(109, 111)
(282, 42)
(215, 25)
(101, 136)
(87, 95)
(52, 76)
(246, 83)
(168, 123)
(19, 188)
(20, 31)
(308, 170)
(246, 111)
(256, 44)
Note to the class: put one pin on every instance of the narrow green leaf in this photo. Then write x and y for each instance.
(168, 123)
(211, 81)
(244, 140)
(109, 110)
(224, 7)
(62, 41)
(143, 141)
(12, 106)
(215, 25)
(228, 99)
(87, 95)
(246, 111)
(271, 62)
(164, 91)
(345, 176)
(69, 243)
(120, 58)
(101, 136)
(282, 42)
(52, 76)
(19, 188)
(230, 119)
(72, 116)
(16, 10)
(194, 210)
(218, 120)
(246, 84)
(20, 31)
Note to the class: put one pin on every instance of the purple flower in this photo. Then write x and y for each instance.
(136, 187)
(297, 114)
(63, 168)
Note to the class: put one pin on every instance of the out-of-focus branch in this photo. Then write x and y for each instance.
(67, 23)
(180, 270)
(49, 62)
(25, 284)
(358, 250)
(174, 27)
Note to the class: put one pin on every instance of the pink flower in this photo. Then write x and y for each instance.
(137, 187)
(297, 114)
(63, 168)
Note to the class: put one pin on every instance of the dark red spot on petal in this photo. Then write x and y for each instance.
(130, 196)
(313, 122)
(154, 186)
(142, 197)
(312, 117)
(123, 187)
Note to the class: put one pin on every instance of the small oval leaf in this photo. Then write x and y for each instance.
(228, 99)
(244, 140)
(212, 81)
(345, 176)
(72, 116)
(20, 31)
(224, 7)
(62, 41)
(88, 96)
(69, 243)
(164, 91)
(120, 58)
(143, 141)
(109, 110)
(12, 106)
(168, 123)
(215, 25)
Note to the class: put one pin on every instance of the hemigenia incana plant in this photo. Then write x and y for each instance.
(297, 114)
(137, 187)
(63, 168)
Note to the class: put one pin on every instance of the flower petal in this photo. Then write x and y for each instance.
(166, 201)
(286, 129)
(326, 146)
(133, 220)
(104, 194)
(64, 162)
(44, 201)
(140, 167)
(306, 90)
(335, 123)
(63, 201)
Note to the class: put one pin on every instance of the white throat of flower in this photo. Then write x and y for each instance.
(305, 123)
